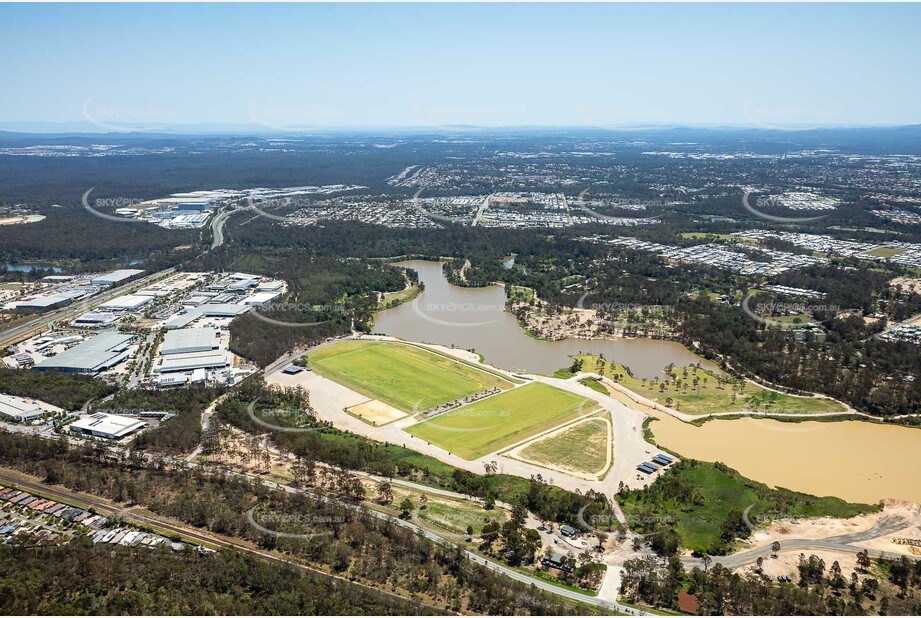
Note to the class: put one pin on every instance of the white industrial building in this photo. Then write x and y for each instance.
(115, 277)
(128, 302)
(185, 340)
(56, 299)
(96, 319)
(218, 310)
(181, 379)
(215, 359)
(110, 426)
(19, 410)
(104, 351)
(271, 286)
(259, 298)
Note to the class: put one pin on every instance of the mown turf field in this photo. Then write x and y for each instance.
(401, 375)
(583, 447)
(501, 420)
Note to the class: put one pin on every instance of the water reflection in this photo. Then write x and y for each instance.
(475, 318)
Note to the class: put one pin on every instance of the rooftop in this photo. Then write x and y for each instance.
(189, 339)
(94, 354)
(109, 424)
(16, 407)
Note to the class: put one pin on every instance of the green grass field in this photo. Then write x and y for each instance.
(518, 293)
(699, 391)
(594, 384)
(695, 498)
(501, 420)
(454, 516)
(885, 251)
(583, 447)
(401, 375)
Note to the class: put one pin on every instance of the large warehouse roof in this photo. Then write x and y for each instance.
(107, 425)
(128, 302)
(19, 409)
(189, 340)
(260, 298)
(116, 276)
(103, 351)
(47, 301)
(194, 360)
(217, 310)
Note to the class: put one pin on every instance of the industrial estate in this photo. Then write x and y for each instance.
(459, 361)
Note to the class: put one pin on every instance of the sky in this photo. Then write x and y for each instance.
(285, 66)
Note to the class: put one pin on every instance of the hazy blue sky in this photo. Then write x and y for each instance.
(433, 64)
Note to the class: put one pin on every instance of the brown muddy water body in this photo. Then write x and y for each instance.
(854, 460)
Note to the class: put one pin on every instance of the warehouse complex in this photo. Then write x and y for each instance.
(217, 310)
(217, 359)
(104, 351)
(180, 325)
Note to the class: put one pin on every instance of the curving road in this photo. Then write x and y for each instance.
(841, 543)
(217, 228)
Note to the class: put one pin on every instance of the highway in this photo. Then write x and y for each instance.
(42, 322)
(217, 229)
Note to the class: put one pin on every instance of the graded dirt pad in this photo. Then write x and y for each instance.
(376, 412)
(787, 562)
(899, 519)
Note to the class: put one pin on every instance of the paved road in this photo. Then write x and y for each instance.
(106, 508)
(41, 323)
(494, 566)
(840, 543)
(479, 211)
(217, 229)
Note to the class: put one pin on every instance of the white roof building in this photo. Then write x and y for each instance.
(116, 276)
(109, 426)
(128, 302)
(184, 340)
(217, 310)
(215, 359)
(102, 352)
(18, 409)
(259, 298)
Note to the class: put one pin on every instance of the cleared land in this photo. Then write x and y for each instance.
(499, 421)
(885, 251)
(582, 448)
(376, 412)
(400, 375)
(693, 390)
(695, 499)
